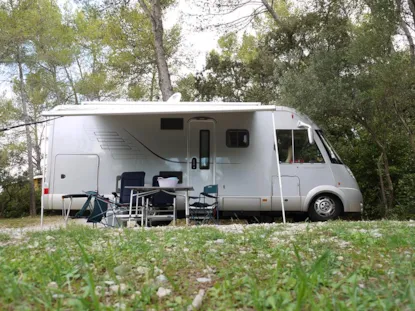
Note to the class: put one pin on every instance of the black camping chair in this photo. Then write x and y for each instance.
(206, 206)
(161, 199)
(161, 206)
(129, 179)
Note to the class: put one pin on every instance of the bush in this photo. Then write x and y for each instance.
(14, 199)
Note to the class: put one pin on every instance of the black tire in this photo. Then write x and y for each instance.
(325, 207)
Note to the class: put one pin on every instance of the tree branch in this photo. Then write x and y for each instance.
(271, 11)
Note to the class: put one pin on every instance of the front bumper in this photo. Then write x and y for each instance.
(353, 200)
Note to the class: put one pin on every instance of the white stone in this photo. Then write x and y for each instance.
(142, 270)
(197, 301)
(161, 278)
(98, 290)
(57, 296)
(158, 271)
(204, 280)
(120, 306)
(220, 241)
(109, 283)
(340, 258)
(53, 285)
(114, 288)
(162, 292)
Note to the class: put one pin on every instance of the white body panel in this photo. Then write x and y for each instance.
(246, 177)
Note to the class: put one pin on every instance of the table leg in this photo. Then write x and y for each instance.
(67, 214)
(186, 204)
(131, 204)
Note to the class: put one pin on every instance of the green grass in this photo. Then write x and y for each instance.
(4, 237)
(27, 221)
(331, 266)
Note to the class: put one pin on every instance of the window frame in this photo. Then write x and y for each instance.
(293, 148)
(227, 141)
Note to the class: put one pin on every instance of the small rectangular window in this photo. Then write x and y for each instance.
(237, 138)
(204, 150)
(285, 143)
(171, 123)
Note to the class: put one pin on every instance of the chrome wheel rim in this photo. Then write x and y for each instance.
(325, 206)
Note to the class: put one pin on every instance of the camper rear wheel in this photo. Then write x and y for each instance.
(325, 207)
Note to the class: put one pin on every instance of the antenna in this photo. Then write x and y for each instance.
(175, 98)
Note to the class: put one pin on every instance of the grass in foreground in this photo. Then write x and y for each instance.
(24, 222)
(330, 266)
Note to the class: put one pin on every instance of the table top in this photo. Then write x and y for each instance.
(149, 188)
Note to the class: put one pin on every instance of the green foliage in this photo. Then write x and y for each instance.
(337, 63)
(331, 266)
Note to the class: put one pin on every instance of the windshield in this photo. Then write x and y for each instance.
(334, 158)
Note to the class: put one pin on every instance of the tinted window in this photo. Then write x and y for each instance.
(237, 138)
(285, 150)
(171, 123)
(304, 152)
(334, 157)
(204, 149)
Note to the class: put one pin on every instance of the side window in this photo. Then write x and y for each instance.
(285, 146)
(237, 138)
(303, 151)
(171, 123)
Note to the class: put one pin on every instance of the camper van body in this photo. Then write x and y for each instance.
(231, 145)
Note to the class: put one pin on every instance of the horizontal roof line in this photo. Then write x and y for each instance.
(79, 110)
(170, 104)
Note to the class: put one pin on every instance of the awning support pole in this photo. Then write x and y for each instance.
(278, 166)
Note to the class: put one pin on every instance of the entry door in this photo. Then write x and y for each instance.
(201, 154)
(290, 190)
(75, 173)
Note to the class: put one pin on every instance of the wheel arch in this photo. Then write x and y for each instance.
(323, 190)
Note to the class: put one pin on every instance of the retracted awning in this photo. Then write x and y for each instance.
(142, 108)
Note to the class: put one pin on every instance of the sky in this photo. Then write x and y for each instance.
(196, 44)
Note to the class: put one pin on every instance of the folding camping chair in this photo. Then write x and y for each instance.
(129, 179)
(97, 210)
(206, 208)
(103, 210)
(160, 206)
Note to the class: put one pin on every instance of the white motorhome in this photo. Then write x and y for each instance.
(229, 144)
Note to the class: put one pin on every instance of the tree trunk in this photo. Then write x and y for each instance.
(157, 25)
(405, 29)
(382, 185)
(38, 152)
(32, 199)
(411, 4)
(271, 11)
(407, 128)
(153, 82)
(388, 180)
(72, 86)
(390, 189)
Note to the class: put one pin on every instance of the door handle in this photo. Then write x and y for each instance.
(194, 164)
(63, 176)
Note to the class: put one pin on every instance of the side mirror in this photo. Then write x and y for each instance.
(310, 132)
